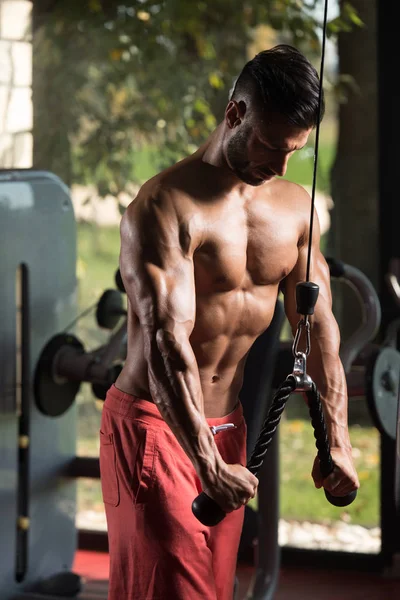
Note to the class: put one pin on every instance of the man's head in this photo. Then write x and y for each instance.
(272, 110)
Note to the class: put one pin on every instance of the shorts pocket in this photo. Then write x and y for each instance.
(108, 469)
(144, 472)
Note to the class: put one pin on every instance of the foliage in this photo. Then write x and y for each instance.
(151, 71)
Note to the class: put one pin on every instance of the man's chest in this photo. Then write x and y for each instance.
(246, 248)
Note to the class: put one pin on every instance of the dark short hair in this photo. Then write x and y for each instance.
(282, 80)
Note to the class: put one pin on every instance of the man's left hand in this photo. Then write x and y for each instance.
(343, 478)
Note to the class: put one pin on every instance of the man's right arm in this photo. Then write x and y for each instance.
(156, 263)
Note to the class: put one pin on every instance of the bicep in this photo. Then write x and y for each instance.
(158, 275)
(168, 293)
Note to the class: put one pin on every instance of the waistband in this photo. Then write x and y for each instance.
(137, 408)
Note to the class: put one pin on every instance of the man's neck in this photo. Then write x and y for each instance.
(212, 153)
(213, 149)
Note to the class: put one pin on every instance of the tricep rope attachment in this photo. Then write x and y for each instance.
(205, 508)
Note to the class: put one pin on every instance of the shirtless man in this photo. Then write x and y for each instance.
(205, 247)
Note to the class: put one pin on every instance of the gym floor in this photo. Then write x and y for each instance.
(294, 584)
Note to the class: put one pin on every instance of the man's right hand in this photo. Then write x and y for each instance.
(232, 487)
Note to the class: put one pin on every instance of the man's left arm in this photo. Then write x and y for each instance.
(324, 365)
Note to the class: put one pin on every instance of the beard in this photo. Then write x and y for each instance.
(236, 156)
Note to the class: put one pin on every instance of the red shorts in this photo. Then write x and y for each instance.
(158, 549)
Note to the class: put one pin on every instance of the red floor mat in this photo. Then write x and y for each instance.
(91, 565)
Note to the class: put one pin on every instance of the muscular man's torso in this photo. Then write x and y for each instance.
(244, 244)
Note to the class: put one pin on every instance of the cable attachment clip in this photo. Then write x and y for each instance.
(306, 299)
(303, 324)
(304, 382)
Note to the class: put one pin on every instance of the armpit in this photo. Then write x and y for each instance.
(302, 240)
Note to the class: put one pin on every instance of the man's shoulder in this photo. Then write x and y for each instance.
(296, 203)
(171, 190)
(293, 192)
(157, 199)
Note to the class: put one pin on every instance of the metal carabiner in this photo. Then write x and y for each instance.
(304, 382)
(303, 324)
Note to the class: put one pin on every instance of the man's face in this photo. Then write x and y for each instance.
(259, 148)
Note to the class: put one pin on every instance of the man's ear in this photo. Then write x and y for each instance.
(234, 113)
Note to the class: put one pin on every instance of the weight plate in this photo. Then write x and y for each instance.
(383, 390)
(54, 398)
(109, 309)
(118, 282)
(100, 389)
